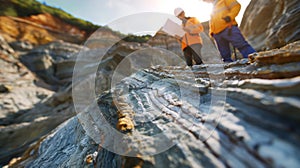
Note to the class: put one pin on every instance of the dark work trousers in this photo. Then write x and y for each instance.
(236, 39)
(193, 52)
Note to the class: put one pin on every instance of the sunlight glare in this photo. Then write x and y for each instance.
(192, 8)
(198, 9)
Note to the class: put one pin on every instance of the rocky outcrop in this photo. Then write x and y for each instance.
(75, 143)
(272, 23)
(21, 45)
(18, 95)
(163, 40)
(145, 108)
(53, 62)
(233, 115)
(25, 125)
(102, 38)
(20, 129)
(15, 77)
(29, 110)
(44, 28)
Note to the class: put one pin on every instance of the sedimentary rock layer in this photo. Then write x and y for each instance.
(216, 115)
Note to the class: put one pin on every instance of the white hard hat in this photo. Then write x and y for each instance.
(177, 11)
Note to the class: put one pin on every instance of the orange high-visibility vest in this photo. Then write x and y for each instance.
(221, 9)
(193, 37)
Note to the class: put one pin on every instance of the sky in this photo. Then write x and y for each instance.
(110, 12)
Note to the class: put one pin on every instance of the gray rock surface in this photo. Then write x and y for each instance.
(53, 62)
(242, 114)
(5, 48)
(18, 95)
(76, 143)
(32, 112)
(246, 115)
(36, 112)
(21, 45)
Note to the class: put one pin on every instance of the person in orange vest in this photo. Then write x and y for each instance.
(223, 28)
(191, 42)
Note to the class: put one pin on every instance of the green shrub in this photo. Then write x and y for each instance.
(24, 8)
(135, 38)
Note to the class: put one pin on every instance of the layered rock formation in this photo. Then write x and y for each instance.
(139, 106)
(163, 40)
(237, 115)
(38, 23)
(272, 23)
(18, 95)
(35, 30)
(29, 108)
(53, 62)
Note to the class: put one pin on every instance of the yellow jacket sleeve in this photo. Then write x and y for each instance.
(234, 8)
(195, 27)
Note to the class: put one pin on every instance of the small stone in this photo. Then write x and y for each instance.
(5, 88)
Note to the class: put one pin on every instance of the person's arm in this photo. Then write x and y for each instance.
(196, 27)
(234, 8)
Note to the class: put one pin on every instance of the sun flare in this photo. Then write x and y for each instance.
(192, 8)
(198, 9)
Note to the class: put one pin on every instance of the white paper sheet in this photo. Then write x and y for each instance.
(173, 28)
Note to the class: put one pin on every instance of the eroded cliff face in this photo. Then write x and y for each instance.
(271, 23)
(39, 29)
(44, 28)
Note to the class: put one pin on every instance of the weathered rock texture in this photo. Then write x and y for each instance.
(18, 95)
(53, 62)
(271, 23)
(256, 125)
(31, 113)
(17, 82)
(20, 129)
(163, 40)
(242, 114)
